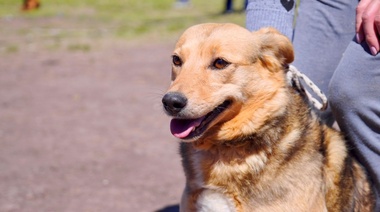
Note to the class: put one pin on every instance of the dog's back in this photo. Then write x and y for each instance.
(251, 141)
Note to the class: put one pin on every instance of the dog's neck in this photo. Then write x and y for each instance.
(254, 157)
(264, 139)
(259, 142)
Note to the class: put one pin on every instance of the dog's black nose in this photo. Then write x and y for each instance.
(174, 102)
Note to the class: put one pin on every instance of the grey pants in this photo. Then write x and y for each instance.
(327, 52)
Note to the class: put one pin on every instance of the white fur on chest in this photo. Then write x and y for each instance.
(210, 201)
(212, 197)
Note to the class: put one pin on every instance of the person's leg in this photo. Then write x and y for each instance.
(265, 13)
(323, 30)
(228, 6)
(355, 101)
(245, 4)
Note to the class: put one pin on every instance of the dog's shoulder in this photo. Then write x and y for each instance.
(347, 186)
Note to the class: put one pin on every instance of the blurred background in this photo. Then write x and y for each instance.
(81, 123)
(80, 25)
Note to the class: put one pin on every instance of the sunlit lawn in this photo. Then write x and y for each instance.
(72, 23)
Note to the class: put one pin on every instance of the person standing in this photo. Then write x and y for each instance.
(336, 45)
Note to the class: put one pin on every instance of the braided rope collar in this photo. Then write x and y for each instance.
(294, 77)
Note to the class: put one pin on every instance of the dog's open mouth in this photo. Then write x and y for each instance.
(190, 128)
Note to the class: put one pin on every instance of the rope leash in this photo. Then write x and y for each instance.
(294, 76)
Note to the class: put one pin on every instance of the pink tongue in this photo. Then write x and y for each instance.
(181, 128)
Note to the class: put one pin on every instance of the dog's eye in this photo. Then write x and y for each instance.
(176, 60)
(219, 63)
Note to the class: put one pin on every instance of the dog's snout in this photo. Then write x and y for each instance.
(174, 102)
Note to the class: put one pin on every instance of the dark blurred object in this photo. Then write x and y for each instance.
(229, 6)
(171, 208)
(30, 5)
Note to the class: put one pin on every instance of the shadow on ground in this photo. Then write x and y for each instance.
(171, 208)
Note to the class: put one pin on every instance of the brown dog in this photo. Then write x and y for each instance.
(250, 140)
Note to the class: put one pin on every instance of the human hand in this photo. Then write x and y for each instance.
(368, 24)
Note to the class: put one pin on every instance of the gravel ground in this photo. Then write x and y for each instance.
(85, 131)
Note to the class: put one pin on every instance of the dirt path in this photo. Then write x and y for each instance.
(86, 132)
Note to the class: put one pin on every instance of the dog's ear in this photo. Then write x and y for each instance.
(274, 47)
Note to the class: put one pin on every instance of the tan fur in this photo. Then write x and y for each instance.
(266, 151)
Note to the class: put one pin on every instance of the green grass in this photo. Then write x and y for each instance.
(64, 22)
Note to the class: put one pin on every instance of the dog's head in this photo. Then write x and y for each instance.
(226, 81)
